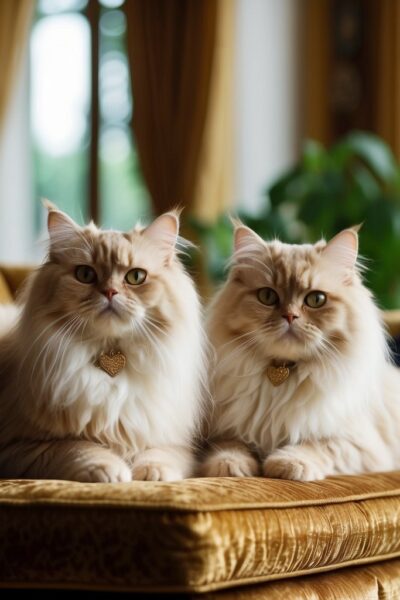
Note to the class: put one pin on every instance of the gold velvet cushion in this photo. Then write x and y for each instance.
(380, 581)
(196, 535)
(5, 292)
(11, 278)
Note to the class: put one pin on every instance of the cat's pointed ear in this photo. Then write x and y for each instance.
(342, 250)
(245, 239)
(164, 230)
(59, 224)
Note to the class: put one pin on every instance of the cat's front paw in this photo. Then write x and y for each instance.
(227, 464)
(152, 471)
(110, 470)
(291, 464)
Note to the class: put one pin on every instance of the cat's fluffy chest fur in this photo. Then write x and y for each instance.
(147, 404)
(306, 406)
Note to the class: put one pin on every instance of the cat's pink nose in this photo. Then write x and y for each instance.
(290, 317)
(109, 293)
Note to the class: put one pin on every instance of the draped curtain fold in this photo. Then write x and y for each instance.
(317, 71)
(375, 69)
(15, 18)
(180, 57)
(386, 19)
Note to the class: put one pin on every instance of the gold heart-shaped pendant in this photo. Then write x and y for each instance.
(112, 363)
(277, 375)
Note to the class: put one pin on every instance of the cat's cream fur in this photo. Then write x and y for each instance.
(339, 410)
(60, 415)
(8, 316)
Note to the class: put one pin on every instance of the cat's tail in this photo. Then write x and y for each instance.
(9, 314)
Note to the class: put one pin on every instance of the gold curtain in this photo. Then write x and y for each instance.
(15, 18)
(317, 71)
(378, 66)
(386, 31)
(180, 53)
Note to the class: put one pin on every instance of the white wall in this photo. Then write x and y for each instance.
(267, 94)
(16, 187)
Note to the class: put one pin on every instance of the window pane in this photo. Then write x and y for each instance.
(124, 198)
(115, 98)
(48, 7)
(60, 99)
(60, 114)
(111, 3)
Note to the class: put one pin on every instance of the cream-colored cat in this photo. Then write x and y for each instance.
(302, 377)
(101, 375)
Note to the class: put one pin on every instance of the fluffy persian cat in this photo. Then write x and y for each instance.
(303, 384)
(101, 372)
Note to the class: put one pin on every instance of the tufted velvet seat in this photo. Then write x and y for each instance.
(225, 538)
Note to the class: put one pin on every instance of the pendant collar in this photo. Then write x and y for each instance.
(111, 362)
(279, 370)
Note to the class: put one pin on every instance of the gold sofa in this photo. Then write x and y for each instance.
(244, 539)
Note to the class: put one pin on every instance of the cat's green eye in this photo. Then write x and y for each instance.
(85, 274)
(315, 299)
(268, 296)
(135, 276)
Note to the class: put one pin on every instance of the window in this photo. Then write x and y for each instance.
(81, 108)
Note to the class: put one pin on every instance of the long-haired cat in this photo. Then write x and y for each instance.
(302, 378)
(101, 373)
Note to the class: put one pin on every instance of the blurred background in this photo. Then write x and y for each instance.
(284, 112)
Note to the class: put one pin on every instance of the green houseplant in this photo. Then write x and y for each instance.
(355, 181)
